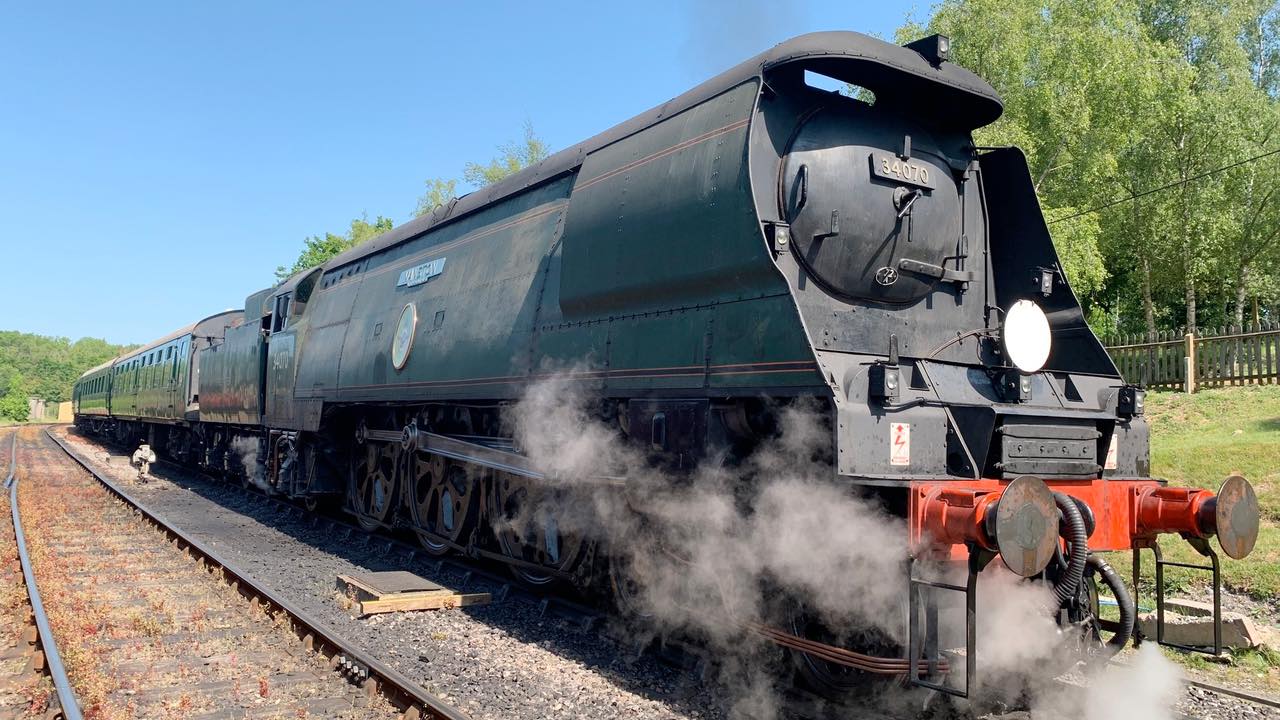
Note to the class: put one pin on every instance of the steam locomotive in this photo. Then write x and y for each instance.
(756, 241)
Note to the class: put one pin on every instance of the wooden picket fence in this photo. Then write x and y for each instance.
(1212, 357)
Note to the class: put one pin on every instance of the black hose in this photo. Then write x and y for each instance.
(1077, 537)
(1128, 611)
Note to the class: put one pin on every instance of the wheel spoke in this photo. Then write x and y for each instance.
(371, 486)
(441, 504)
(537, 540)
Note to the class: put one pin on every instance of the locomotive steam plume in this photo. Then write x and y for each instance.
(246, 451)
(719, 36)
(712, 551)
(718, 548)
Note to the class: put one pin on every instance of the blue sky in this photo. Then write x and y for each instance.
(158, 160)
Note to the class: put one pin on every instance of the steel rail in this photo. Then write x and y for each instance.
(374, 675)
(585, 616)
(822, 651)
(66, 696)
(1242, 695)
(562, 607)
(1221, 690)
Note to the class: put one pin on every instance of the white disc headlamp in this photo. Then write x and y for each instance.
(1026, 336)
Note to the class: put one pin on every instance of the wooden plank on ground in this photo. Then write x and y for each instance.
(436, 600)
(398, 591)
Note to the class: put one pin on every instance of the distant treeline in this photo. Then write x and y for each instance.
(45, 367)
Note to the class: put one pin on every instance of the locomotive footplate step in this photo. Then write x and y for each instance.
(398, 591)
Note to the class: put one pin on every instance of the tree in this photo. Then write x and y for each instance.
(1064, 70)
(1129, 111)
(439, 192)
(45, 367)
(512, 158)
(1215, 121)
(319, 248)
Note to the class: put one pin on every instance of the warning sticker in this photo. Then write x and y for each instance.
(900, 444)
(1112, 451)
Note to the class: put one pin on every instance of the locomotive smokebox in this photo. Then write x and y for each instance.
(1232, 514)
(1019, 521)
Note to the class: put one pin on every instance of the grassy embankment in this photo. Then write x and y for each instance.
(1198, 440)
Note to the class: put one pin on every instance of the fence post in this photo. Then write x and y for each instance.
(1190, 340)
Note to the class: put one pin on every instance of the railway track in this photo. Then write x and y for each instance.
(154, 624)
(24, 685)
(551, 603)
(45, 654)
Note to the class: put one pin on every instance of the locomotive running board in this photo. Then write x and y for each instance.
(495, 459)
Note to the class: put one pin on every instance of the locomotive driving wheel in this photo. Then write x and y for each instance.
(627, 574)
(832, 679)
(528, 530)
(443, 505)
(372, 484)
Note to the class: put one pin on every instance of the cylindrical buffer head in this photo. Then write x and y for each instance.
(1235, 513)
(1232, 514)
(1026, 525)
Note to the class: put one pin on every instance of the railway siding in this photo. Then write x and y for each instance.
(23, 688)
(143, 630)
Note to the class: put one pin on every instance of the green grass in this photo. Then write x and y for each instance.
(1199, 439)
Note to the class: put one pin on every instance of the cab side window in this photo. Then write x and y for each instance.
(279, 318)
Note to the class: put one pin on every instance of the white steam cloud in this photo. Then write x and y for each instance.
(728, 535)
(715, 549)
(725, 545)
(246, 452)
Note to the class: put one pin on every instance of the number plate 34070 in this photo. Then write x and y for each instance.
(891, 167)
